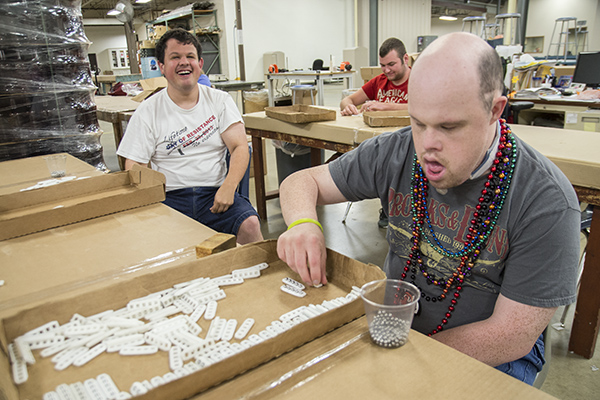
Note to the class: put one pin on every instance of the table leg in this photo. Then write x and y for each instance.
(118, 133)
(271, 92)
(320, 89)
(587, 313)
(315, 156)
(259, 177)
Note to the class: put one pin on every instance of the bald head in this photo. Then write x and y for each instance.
(472, 63)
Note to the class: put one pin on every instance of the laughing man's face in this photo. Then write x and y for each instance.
(182, 65)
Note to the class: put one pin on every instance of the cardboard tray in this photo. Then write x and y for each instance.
(398, 118)
(300, 113)
(25, 212)
(259, 298)
(150, 86)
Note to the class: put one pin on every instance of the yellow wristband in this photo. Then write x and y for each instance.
(303, 220)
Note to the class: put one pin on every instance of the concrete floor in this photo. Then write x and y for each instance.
(569, 376)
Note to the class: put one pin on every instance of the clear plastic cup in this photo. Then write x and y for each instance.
(57, 165)
(390, 306)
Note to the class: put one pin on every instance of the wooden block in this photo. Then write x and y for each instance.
(215, 244)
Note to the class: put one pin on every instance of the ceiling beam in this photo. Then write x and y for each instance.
(459, 5)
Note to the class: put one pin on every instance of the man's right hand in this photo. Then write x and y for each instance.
(303, 249)
(350, 109)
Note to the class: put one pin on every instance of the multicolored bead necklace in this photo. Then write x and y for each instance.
(483, 222)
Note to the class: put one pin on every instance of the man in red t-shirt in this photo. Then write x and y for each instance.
(385, 92)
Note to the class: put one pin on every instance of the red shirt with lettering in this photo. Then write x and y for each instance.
(381, 89)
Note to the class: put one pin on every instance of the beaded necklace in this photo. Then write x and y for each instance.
(484, 220)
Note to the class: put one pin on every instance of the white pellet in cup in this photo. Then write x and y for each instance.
(390, 305)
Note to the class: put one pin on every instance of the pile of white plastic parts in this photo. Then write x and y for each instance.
(162, 321)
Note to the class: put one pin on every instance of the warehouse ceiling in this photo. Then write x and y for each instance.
(153, 9)
(144, 11)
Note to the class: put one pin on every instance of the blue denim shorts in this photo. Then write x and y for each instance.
(195, 202)
(526, 369)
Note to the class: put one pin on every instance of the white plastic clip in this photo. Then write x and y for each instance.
(175, 360)
(51, 396)
(169, 377)
(19, 370)
(23, 351)
(159, 341)
(83, 330)
(244, 328)
(293, 291)
(195, 316)
(108, 386)
(46, 328)
(137, 389)
(246, 273)
(64, 392)
(69, 358)
(123, 322)
(229, 330)
(157, 381)
(291, 282)
(43, 340)
(117, 343)
(93, 388)
(230, 281)
(138, 350)
(164, 313)
(216, 329)
(212, 296)
(211, 310)
(79, 391)
(89, 355)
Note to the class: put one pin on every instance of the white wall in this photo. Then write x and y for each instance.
(303, 30)
(105, 37)
(543, 14)
(405, 20)
(440, 28)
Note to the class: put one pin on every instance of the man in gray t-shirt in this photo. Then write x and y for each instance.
(482, 223)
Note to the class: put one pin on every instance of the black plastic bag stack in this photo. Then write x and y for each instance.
(46, 88)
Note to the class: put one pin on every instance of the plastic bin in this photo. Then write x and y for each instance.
(293, 157)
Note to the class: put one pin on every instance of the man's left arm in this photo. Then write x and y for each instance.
(379, 106)
(507, 335)
(237, 144)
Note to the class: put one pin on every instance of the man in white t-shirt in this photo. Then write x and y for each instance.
(185, 132)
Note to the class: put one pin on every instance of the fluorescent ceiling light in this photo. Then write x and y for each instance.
(448, 18)
(142, 1)
(113, 12)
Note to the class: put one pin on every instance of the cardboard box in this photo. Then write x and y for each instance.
(397, 118)
(241, 302)
(24, 172)
(25, 212)
(253, 106)
(301, 96)
(158, 31)
(345, 364)
(147, 44)
(255, 100)
(368, 73)
(412, 57)
(300, 113)
(150, 86)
